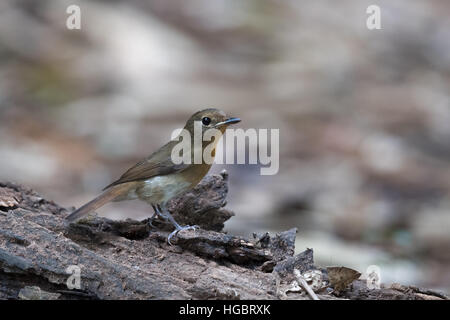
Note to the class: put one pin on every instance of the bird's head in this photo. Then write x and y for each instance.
(210, 119)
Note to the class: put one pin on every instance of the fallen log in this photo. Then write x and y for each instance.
(39, 252)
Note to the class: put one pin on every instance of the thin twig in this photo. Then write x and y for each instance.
(305, 285)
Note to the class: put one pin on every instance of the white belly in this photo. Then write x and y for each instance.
(161, 189)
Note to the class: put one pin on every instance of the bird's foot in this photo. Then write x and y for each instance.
(150, 222)
(153, 218)
(174, 233)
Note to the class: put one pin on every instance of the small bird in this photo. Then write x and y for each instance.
(157, 179)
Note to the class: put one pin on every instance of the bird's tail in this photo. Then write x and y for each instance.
(102, 199)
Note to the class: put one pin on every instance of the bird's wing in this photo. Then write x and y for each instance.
(158, 164)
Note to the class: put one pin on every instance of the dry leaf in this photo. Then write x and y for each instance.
(341, 277)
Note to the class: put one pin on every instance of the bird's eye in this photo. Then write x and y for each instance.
(206, 121)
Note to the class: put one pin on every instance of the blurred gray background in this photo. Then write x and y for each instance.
(364, 116)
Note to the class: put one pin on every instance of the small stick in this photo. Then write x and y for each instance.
(305, 285)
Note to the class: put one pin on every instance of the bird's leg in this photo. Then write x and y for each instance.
(161, 212)
(157, 212)
(178, 228)
(150, 221)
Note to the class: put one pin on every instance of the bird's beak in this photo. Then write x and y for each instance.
(228, 121)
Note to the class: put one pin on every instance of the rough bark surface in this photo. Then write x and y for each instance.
(132, 260)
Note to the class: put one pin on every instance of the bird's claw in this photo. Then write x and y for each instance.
(174, 233)
(150, 223)
(154, 217)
